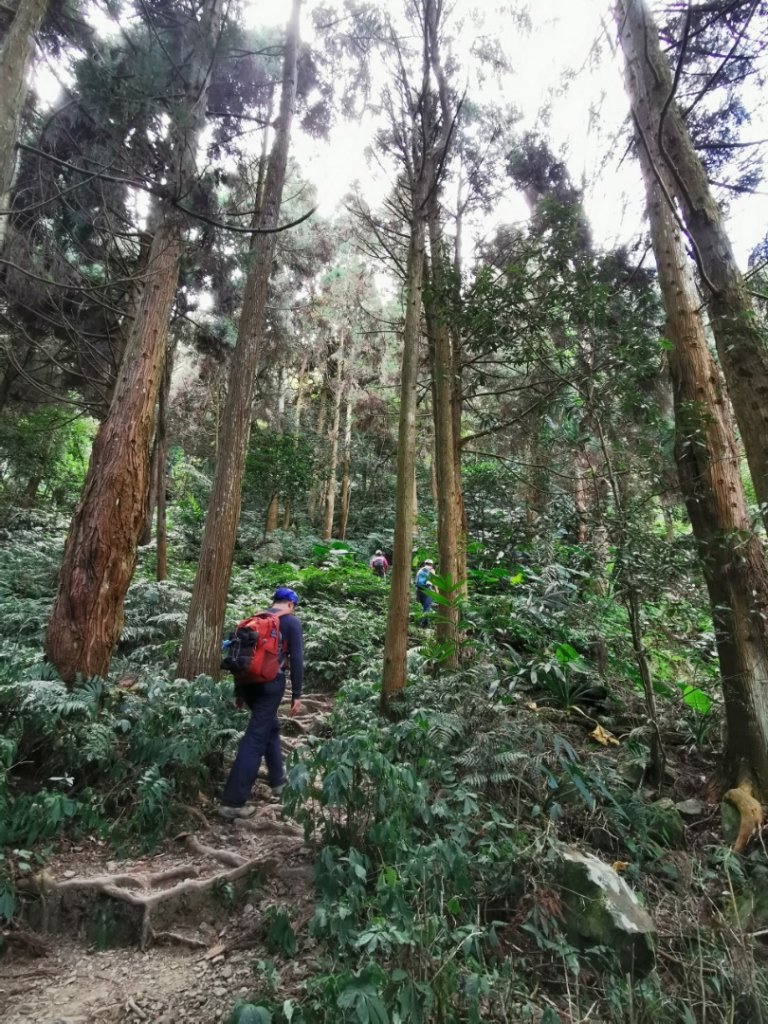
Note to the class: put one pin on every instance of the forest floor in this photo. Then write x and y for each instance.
(199, 905)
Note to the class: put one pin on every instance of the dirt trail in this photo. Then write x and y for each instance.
(198, 907)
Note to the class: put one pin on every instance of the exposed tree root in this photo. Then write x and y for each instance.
(177, 938)
(233, 860)
(295, 723)
(750, 811)
(262, 825)
(316, 702)
(195, 812)
(112, 906)
(130, 1005)
(141, 906)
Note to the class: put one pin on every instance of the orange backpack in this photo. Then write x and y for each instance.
(253, 649)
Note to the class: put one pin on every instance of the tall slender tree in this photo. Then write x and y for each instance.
(334, 427)
(679, 172)
(422, 120)
(730, 554)
(345, 494)
(200, 649)
(447, 487)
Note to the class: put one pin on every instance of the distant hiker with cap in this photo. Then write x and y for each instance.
(425, 588)
(261, 648)
(379, 563)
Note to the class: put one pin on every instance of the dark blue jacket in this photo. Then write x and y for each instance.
(292, 637)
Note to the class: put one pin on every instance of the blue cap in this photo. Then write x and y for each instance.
(286, 594)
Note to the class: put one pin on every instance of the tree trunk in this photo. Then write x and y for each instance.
(30, 491)
(333, 445)
(100, 553)
(448, 525)
(158, 467)
(161, 440)
(10, 376)
(157, 482)
(430, 138)
(741, 343)
(346, 483)
(303, 386)
(536, 482)
(317, 470)
(146, 533)
(457, 400)
(16, 54)
(273, 509)
(396, 639)
(731, 555)
(657, 757)
(200, 649)
(580, 500)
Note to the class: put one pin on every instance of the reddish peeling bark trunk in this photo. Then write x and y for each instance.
(101, 548)
(741, 342)
(200, 651)
(731, 556)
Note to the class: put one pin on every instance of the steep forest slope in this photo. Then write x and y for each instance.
(461, 291)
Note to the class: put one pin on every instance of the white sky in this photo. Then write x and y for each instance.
(582, 117)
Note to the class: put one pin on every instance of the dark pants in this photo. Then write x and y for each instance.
(424, 597)
(261, 739)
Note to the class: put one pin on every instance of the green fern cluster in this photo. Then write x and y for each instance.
(96, 752)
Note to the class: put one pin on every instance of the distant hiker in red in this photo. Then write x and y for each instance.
(259, 651)
(379, 563)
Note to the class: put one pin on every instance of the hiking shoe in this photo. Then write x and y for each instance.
(277, 791)
(230, 813)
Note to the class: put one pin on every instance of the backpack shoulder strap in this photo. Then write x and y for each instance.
(250, 622)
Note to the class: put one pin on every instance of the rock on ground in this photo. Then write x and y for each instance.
(600, 909)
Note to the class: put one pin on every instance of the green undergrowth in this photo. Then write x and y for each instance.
(128, 757)
(438, 829)
(438, 833)
(123, 763)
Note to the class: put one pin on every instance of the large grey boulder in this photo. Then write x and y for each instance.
(600, 909)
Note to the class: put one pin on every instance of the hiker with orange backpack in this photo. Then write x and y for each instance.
(258, 653)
